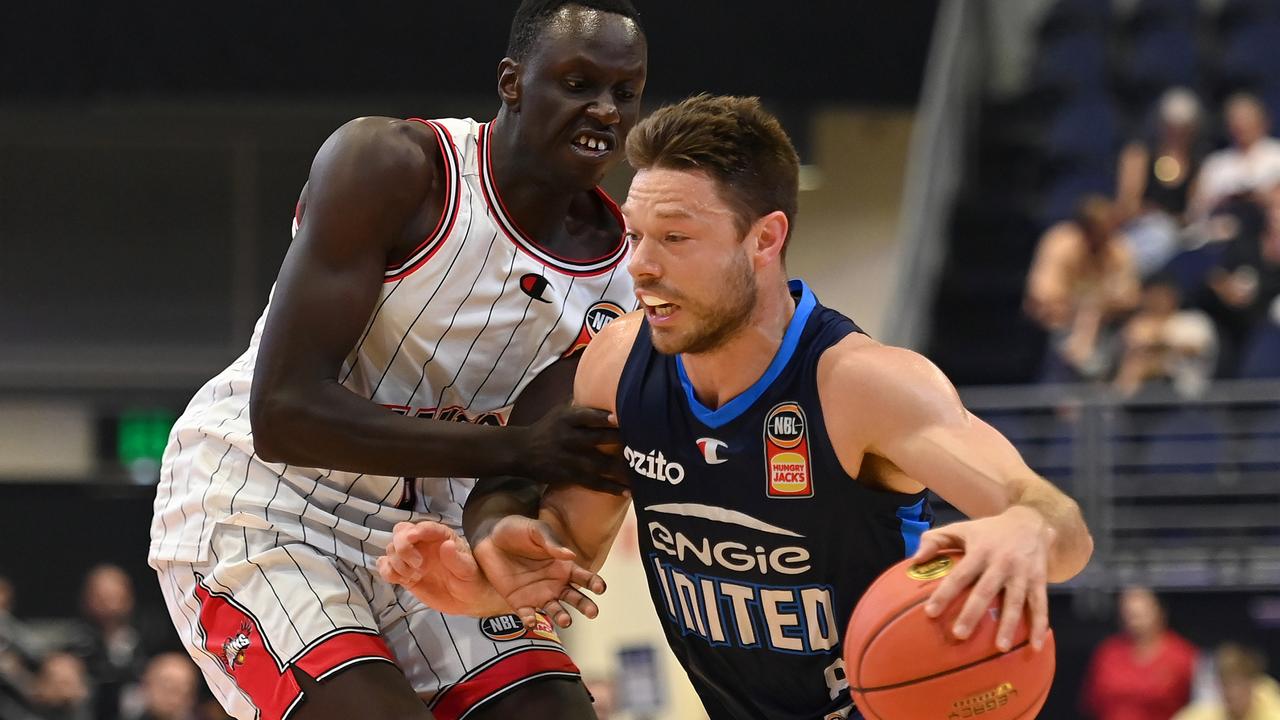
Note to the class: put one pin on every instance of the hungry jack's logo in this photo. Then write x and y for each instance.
(786, 452)
(234, 648)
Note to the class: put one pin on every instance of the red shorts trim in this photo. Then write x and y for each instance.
(233, 636)
(499, 675)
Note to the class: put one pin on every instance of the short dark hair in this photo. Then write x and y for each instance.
(532, 17)
(734, 140)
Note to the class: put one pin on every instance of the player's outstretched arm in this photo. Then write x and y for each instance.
(374, 186)
(1027, 532)
(520, 531)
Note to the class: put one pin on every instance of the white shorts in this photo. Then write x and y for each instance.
(266, 602)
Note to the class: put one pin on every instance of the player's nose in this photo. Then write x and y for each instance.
(642, 263)
(604, 110)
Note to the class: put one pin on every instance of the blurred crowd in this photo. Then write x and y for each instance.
(1149, 672)
(108, 664)
(1176, 279)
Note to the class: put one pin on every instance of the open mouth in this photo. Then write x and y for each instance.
(593, 145)
(657, 308)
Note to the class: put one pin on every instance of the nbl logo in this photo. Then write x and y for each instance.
(502, 627)
(786, 425)
(599, 315)
(786, 452)
(593, 321)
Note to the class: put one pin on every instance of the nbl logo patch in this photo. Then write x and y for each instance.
(502, 627)
(508, 627)
(786, 452)
(593, 321)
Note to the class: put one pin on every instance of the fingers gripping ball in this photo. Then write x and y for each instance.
(904, 665)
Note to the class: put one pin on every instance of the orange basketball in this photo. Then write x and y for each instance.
(904, 665)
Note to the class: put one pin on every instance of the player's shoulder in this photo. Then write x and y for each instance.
(863, 367)
(383, 146)
(613, 342)
(859, 355)
(600, 370)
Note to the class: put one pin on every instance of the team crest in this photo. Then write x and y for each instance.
(597, 316)
(508, 627)
(786, 452)
(234, 648)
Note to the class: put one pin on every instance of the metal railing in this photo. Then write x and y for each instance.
(1180, 493)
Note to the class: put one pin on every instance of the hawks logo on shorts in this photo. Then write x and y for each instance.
(509, 627)
(786, 452)
(233, 648)
(593, 321)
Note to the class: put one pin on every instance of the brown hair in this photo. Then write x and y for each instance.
(732, 139)
(1237, 662)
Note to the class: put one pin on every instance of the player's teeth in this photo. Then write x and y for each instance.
(653, 300)
(664, 311)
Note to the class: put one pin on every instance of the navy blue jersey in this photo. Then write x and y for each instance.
(755, 541)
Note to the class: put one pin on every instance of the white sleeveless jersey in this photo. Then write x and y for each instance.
(460, 328)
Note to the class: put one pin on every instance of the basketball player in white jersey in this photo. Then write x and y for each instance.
(423, 327)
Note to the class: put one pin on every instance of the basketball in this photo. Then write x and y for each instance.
(904, 665)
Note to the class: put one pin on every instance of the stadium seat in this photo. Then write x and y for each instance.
(1084, 133)
(1071, 64)
(1151, 14)
(1250, 55)
(1160, 59)
(1238, 13)
(1071, 16)
(1261, 356)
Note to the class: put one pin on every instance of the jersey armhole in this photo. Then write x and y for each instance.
(452, 200)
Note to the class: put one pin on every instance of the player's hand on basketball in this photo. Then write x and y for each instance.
(1008, 552)
(578, 445)
(533, 570)
(435, 564)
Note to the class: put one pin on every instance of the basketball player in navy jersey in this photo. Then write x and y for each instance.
(442, 270)
(779, 458)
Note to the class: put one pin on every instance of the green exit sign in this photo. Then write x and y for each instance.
(142, 434)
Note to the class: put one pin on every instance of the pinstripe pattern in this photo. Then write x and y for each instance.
(451, 335)
(299, 596)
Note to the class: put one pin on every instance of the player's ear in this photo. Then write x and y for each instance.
(768, 237)
(509, 84)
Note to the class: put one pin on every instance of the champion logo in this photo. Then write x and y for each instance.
(710, 448)
(535, 286)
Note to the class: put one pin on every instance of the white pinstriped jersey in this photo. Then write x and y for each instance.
(459, 329)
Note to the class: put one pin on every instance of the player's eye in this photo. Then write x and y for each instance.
(575, 84)
(632, 238)
(625, 95)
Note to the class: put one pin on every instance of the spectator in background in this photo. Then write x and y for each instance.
(1081, 283)
(1164, 342)
(1246, 280)
(1247, 693)
(1145, 671)
(1251, 162)
(113, 648)
(61, 689)
(168, 689)
(18, 650)
(1153, 179)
